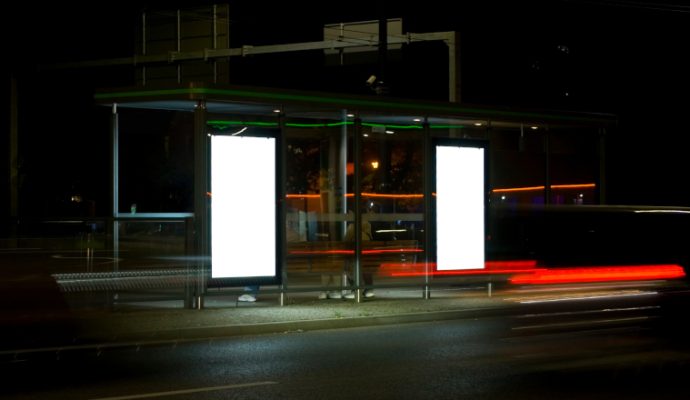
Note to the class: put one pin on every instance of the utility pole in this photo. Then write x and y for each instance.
(381, 87)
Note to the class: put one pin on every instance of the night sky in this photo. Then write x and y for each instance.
(622, 57)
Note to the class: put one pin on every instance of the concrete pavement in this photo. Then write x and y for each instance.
(136, 323)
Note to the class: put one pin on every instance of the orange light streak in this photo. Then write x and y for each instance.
(351, 252)
(575, 186)
(421, 196)
(389, 196)
(536, 188)
(371, 195)
(520, 189)
(302, 196)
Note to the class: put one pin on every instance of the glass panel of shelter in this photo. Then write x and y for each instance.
(393, 213)
(320, 169)
(318, 166)
(517, 164)
(574, 165)
(320, 190)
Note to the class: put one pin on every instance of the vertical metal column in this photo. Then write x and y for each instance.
(383, 47)
(358, 207)
(282, 178)
(190, 253)
(143, 47)
(179, 45)
(201, 202)
(428, 171)
(453, 43)
(342, 186)
(115, 178)
(115, 184)
(215, 42)
(342, 172)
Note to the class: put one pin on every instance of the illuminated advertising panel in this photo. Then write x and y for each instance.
(243, 207)
(460, 206)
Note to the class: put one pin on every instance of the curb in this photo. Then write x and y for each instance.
(182, 335)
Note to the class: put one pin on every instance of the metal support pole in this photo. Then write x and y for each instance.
(215, 42)
(383, 46)
(282, 235)
(190, 278)
(358, 207)
(342, 173)
(143, 47)
(179, 45)
(453, 43)
(114, 176)
(115, 184)
(201, 200)
(428, 171)
(342, 186)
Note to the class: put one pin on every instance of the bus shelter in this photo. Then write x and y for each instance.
(304, 191)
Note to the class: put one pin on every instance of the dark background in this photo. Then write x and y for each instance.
(621, 57)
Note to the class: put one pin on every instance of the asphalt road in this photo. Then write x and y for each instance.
(630, 347)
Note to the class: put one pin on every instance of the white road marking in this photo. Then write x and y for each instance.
(187, 391)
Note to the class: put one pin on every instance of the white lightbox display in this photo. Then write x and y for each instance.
(243, 207)
(460, 207)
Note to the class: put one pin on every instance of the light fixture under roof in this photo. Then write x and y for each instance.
(417, 120)
(276, 110)
(239, 132)
(477, 124)
(350, 115)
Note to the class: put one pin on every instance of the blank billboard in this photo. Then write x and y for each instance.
(243, 207)
(460, 207)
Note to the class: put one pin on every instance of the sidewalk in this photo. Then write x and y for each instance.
(225, 317)
(134, 324)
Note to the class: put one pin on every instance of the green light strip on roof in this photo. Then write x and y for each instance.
(327, 125)
(220, 124)
(227, 124)
(371, 125)
(344, 102)
(446, 126)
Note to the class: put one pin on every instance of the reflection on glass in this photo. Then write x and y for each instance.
(155, 161)
(574, 166)
(517, 165)
(318, 161)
